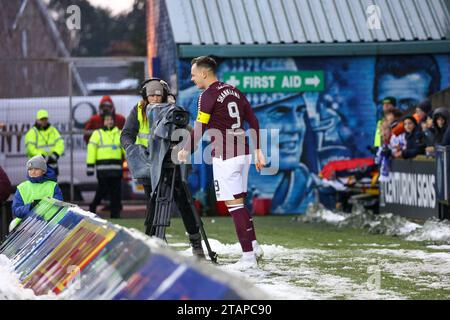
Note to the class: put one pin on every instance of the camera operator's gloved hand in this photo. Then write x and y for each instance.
(145, 149)
(131, 147)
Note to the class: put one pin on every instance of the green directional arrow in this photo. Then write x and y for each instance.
(289, 81)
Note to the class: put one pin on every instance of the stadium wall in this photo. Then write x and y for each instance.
(335, 123)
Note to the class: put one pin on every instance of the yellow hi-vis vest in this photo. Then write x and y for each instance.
(33, 191)
(377, 139)
(104, 150)
(43, 142)
(144, 127)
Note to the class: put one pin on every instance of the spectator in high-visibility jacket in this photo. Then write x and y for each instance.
(105, 155)
(40, 184)
(389, 103)
(44, 139)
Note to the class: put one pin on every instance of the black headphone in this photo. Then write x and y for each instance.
(166, 89)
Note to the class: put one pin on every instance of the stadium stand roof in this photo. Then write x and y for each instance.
(308, 27)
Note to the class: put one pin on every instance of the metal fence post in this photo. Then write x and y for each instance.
(71, 132)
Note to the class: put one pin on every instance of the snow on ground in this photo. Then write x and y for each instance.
(317, 214)
(302, 273)
(426, 269)
(375, 245)
(388, 224)
(10, 287)
(432, 230)
(442, 247)
(288, 274)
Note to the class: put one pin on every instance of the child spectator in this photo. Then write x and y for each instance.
(383, 157)
(40, 184)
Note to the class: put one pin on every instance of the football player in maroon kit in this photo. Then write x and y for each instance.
(223, 109)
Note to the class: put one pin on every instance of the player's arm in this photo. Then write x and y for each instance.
(253, 122)
(199, 128)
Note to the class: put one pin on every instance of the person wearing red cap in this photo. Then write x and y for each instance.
(96, 121)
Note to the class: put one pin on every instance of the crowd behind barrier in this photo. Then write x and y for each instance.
(405, 136)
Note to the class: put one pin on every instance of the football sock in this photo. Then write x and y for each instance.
(244, 229)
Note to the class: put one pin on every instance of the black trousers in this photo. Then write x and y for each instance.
(113, 188)
(180, 200)
(148, 201)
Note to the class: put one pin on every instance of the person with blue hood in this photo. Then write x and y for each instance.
(40, 184)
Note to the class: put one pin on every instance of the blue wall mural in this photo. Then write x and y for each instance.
(318, 127)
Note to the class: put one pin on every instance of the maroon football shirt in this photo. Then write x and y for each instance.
(224, 108)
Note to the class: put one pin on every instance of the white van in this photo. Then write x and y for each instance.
(19, 115)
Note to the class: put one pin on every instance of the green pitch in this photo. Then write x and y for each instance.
(319, 261)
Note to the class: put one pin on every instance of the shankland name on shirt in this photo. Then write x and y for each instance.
(225, 93)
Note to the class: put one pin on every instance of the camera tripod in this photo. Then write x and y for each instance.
(157, 222)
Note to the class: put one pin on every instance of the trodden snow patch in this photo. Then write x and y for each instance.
(432, 230)
(10, 286)
(387, 223)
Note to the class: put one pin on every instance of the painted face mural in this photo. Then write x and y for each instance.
(291, 188)
(287, 116)
(315, 127)
(410, 79)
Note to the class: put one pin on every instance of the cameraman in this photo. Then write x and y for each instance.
(136, 132)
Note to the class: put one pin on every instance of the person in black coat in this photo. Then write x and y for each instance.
(446, 139)
(441, 117)
(414, 137)
(5, 186)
